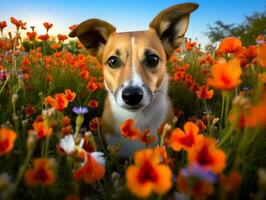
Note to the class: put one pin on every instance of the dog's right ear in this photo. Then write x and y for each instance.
(93, 34)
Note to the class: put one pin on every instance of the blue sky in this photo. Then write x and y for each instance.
(124, 14)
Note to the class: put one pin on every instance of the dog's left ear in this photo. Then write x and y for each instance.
(93, 34)
(171, 25)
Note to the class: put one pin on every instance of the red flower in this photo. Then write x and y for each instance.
(92, 86)
(2, 25)
(18, 23)
(41, 129)
(147, 138)
(94, 124)
(204, 93)
(61, 37)
(93, 103)
(207, 155)
(44, 37)
(70, 96)
(40, 174)
(31, 35)
(92, 169)
(47, 26)
(127, 130)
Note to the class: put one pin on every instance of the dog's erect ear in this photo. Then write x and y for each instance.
(93, 34)
(171, 25)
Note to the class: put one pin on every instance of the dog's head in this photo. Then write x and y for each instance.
(134, 62)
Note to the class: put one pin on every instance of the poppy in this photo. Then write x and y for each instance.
(147, 175)
(47, 26)
(70, 95)
(207, 155)
(92, 169)
(230, 45)
(93, 103)
(41, 129)
(41, 173)
(225, 75)
(128, 130)
(204, 93)
(186, 139)
(7, 139)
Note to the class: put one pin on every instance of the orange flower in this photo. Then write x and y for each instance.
(184, 140)
(47, 26)
(262, 55)
(18, 23)
(49, 78)
(44, 37)
(146, 137)
(230, 183)
(207, 155)
(31, 35)
(70, 96)
(190, 45)
(148, 175)
(230, 45)
(84, 74)
(61, 37)
(7, 138)
(127, 130)
(59, 102)
(93, 103)
(226, 75)
(94, 124)
(40, 174)
(92, 168)
(2, 25)
(256, 116)
(55, 46)
(41, 129)
(66, 121)
(204, 93)
(92, 86)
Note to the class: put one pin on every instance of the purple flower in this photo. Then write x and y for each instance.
(198, 172)
(80, 110)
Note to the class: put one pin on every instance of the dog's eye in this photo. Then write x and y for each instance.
(151, 60)
(114, 62)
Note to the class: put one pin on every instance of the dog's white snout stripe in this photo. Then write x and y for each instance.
(136, 79)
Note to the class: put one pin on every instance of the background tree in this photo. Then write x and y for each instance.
(247, 31)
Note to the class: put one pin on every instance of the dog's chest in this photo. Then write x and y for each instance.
(149, 118)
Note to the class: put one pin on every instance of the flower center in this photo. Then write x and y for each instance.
(147, 173)
(41, 175)
(204, 157)
(188, 140)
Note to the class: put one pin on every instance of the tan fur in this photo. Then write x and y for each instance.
(165, 34)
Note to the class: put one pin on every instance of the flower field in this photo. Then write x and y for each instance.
(51, 146)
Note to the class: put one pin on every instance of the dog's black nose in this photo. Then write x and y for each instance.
(132, 95)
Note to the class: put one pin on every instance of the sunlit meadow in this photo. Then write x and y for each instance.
(51, 147)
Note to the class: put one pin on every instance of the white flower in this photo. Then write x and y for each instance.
(99, 157)
(68, 144)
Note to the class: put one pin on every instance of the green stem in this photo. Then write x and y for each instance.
(208, 116)
(87, 98)
(23, 168)
(222, 111)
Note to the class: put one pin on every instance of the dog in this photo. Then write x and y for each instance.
(134, 69)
